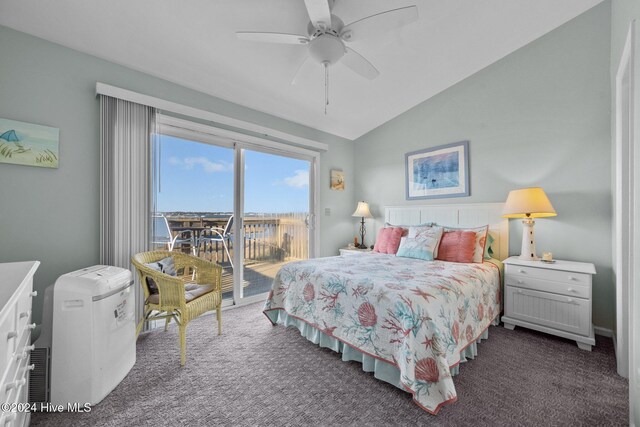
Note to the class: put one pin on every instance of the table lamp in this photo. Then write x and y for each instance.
(363, 212)
(528, 203)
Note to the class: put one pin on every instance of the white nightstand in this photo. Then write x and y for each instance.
(552, 298)
(353, 251)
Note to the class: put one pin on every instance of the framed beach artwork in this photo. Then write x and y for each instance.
(438, 172)
(337, 179)
(28, 144)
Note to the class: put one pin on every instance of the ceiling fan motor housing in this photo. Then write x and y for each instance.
(326, 48)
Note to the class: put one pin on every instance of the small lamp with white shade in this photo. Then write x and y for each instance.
(528, 203)
(363, 212)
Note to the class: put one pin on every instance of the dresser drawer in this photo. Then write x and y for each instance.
(568, 289)
(9, 336)
(24, 307)
(548, 274)
(543, 308)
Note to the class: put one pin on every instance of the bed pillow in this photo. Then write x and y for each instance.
(488, 251)
(481, 240)
(388, 240)
(423, 246)
(457, 246)
(420, 231)
(407, 228)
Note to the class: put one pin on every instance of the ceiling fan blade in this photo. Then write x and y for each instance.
(281, 38)
(379, 23)
(301, 70)
(359, 64)
(319, 13)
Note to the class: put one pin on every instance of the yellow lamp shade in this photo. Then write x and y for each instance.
(528, 203)
(363, 210)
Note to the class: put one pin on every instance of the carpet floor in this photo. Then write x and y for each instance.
(257, 374)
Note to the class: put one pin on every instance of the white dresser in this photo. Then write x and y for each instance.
(553, 298)
(16, 293)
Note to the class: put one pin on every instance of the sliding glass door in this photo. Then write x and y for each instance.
(276, 216)
(245, 206)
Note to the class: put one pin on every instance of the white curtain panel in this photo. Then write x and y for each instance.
(125, 176)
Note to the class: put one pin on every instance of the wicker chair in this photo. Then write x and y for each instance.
(179, 297)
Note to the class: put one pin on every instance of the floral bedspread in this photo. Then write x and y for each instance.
(418, 315)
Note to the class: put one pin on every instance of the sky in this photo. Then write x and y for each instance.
(198, 177)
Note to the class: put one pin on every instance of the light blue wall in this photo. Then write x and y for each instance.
(52, 215)
(540, 116)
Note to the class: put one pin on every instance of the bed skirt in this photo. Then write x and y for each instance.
(381, 369)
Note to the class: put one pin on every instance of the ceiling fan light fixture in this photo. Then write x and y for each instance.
(326, 48)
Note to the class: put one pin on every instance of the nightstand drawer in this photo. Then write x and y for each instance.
(551, 310)
(568, 289)
(548, 274)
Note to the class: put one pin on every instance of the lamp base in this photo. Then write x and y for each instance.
(528, 249)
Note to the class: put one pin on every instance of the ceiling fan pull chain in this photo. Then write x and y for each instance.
(326, 86)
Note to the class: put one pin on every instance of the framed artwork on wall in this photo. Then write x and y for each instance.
(438, 172)
(337, 180)
(28, 144)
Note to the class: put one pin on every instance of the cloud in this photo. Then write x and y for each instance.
(299, 180)
(207, 165)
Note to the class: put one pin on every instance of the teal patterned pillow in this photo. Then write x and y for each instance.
(421, 247)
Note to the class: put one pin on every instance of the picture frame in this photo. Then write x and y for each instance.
(337, 180)
(28, 144)
(438, 172)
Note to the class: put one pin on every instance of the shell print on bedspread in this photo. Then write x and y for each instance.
(308, 293)
(469, 333)
(480, 312)
(367, 315)
(455, 331)
(427, 370)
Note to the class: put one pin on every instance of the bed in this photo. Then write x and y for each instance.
(410, 322)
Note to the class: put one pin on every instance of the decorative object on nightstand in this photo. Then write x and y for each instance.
(553, 298)
(363, 212)
(528, 203)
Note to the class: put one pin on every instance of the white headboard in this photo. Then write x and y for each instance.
(467, 215)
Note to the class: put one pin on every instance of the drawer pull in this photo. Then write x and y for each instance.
(24, 314)
(570, 290)
(31, 367)
(520, 282)
(519, 291)
(33, 294)
(522, 271)
(30, 347)
(31, 326)
(572, 278)
(569, 299)
(12, 334)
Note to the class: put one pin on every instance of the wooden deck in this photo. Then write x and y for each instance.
(258, 277)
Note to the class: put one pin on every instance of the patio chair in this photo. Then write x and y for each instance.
(162, 235)
(219, 234)
(178, 297)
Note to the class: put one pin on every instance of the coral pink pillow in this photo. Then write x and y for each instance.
(457, 246)
(388, 240)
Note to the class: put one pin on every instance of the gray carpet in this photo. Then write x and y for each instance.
(256, 374)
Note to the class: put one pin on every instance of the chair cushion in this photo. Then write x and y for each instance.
(166, 266)
(191, 292)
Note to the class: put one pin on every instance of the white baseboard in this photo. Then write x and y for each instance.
(603, 332)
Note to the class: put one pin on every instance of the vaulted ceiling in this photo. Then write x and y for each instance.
(193, 43)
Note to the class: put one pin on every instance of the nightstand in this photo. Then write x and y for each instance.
(553, 298)
(353, 251)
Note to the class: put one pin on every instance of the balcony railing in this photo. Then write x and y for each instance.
(270, 238)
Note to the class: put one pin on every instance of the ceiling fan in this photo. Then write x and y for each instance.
(327, 36)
